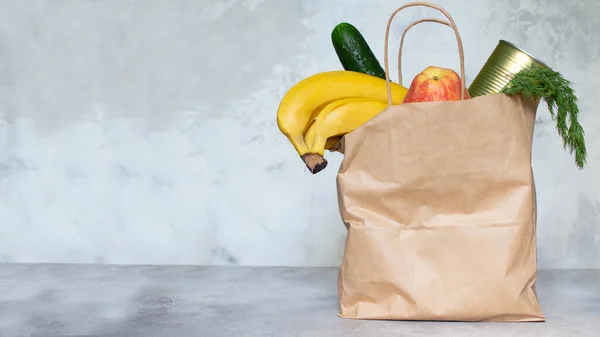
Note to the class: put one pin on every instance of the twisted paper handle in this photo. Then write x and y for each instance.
(386, 45)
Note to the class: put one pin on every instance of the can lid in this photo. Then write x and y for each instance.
(524, 52)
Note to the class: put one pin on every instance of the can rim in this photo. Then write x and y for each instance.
(524, 52)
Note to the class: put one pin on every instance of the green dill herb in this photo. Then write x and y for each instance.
(537, 82)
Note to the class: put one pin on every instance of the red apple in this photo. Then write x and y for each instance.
(435, 84)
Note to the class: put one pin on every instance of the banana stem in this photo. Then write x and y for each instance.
(315, 162)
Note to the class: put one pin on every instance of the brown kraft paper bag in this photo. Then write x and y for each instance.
(439, 202)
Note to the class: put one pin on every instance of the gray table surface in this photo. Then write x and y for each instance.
(100, 300)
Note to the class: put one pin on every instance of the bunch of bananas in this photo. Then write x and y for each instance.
(317, 111)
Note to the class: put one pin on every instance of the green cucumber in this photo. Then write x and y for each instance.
(353, 51)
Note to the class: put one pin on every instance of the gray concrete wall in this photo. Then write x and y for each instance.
(144, 131)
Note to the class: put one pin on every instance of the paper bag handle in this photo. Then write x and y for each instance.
(402, 41)
(386, 43)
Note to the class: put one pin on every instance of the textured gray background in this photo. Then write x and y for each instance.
(144, 131)
(219, 301)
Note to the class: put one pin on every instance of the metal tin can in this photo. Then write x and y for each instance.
(505, 61)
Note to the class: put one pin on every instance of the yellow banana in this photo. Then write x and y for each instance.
(303, 101)
(341, 117)
(309, 137)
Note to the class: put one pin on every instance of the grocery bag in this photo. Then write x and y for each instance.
(439, 203)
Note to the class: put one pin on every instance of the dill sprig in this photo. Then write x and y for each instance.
(537, 82)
